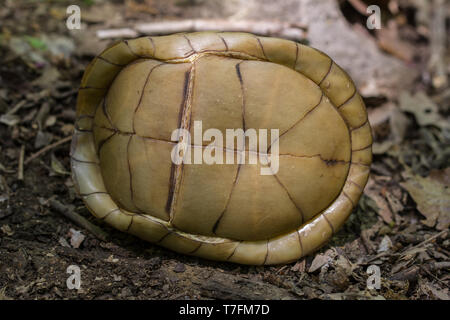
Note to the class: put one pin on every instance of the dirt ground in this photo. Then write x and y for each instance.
(400, 225)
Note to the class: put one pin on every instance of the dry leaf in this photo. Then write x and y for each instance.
(432, 196)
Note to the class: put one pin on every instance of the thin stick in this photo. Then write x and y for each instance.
(437, 235)
(79, 220)
(21, 157)
(294, 31)
(47, 148)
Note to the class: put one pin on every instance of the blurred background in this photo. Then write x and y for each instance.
(401, 224)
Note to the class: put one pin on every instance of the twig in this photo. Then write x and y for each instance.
(21, 157)
(437, 235)
(433, 276)
(47, 148)
(395, 254)
(287, 30)
(438, 38)
(79, 220)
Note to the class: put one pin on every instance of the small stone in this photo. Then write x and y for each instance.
(76, 238)
(385, 244)
(179, 268)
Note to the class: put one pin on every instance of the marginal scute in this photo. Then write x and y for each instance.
(357, 178)
(118, 53)
(354, 111)
(100, 204)
(180, 243)
(359, 174)
(84, 148)
(201, 43)
(141, 47)
(88, 99)
(362, 137)
(119, 220)
(362, 156)
(147, 229)
(172, 47)
(247, 252)
(88, 177)
(100, 74)
(285, 248)
(121, 145)
(216, 251)
(243, 42)
(280, 51)
(338, 212)
(84, 123)
(314, 234)
(312, 63)
(337, 85)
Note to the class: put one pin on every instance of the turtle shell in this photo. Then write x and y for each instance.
(137, 92)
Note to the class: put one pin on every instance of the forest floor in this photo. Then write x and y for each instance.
(400, 225)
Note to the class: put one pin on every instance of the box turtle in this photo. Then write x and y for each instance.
(137, 92)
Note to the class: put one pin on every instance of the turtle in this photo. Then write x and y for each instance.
(137, 93)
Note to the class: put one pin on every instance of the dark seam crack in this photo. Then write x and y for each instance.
(360, 126)
(328, 72)
(129, 48)
(290, 197)
(164, 236)
(131, 222)
(298, 121)
(329, 223)
(348, 99)
(153, 45)
(190, 43)
(142, 94)
(89, 87)
(296, 55)
(83, 161)
(357, 185)
(300, 241)
(267, 253)
(234, 250)
(360, 149)
(262, 47)
(241, 81)
(110, 212)
(216, 224)
(110, 62)
(91, 193)
(347, 196)
(196, 249)
(224, 42)
(102, 143)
